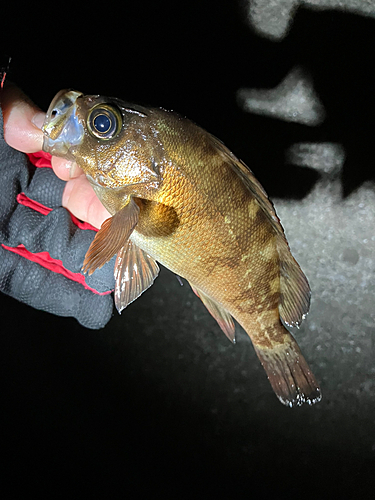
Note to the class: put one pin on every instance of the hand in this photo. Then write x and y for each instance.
(42, 246)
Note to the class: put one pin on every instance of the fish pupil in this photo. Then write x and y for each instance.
(102, 123)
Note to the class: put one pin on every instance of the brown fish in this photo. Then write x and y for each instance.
(177, 195)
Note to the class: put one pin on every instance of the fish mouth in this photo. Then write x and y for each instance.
(62, 127)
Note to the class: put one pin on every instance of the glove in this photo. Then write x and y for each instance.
(42, 245)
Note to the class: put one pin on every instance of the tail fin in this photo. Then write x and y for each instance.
(289, 374)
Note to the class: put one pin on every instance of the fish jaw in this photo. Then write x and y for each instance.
(62, 127)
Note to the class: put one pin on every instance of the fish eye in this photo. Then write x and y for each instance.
(104, 121)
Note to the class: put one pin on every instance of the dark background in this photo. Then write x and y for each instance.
(159, 402)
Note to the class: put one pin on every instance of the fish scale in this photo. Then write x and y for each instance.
(178, 196)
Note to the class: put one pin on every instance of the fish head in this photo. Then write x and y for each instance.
(114, 143)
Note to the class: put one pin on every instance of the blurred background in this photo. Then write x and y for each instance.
(159, 402)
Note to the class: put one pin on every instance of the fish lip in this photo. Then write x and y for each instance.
(62, 127)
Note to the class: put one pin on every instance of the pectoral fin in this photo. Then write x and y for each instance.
(112, 236)
(224, 319)
(135, 271)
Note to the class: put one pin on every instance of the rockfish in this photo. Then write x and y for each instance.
(178, 196)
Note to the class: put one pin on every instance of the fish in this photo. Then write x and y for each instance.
(178, 196)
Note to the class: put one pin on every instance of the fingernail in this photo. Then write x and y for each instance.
(38, 119)
(74, 171)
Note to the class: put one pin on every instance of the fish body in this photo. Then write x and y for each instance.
(178, 196)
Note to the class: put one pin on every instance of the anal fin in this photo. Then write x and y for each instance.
(135, 271)
(223, 318)
(289, 374)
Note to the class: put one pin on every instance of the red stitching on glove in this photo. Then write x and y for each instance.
(45, 260)
(35, 205)
(40, 159)
(42, 209)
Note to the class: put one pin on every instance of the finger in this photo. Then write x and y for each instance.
(65, 169)
(22, 120)
(80, 199)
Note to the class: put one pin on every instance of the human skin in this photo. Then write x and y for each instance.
(22, 131)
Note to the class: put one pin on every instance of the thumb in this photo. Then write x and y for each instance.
(22, 120)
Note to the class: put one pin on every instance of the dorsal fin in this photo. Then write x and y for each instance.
(253, 185)
(294, 287)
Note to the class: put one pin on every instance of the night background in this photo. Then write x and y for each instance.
(159, 402)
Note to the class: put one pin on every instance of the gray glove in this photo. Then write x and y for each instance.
(42, 248)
